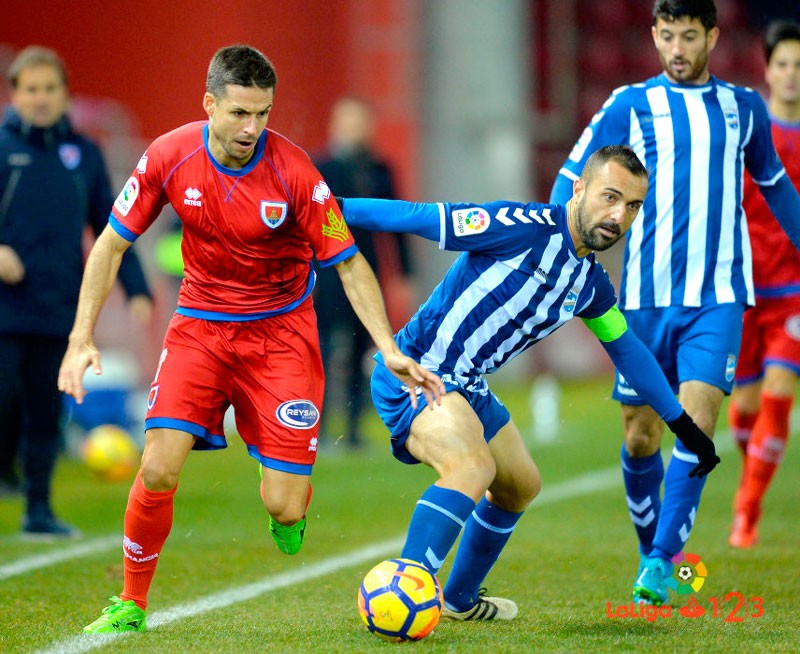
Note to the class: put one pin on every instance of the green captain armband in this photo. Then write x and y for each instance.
(608, 327)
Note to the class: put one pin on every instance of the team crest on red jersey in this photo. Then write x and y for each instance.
(273, 213)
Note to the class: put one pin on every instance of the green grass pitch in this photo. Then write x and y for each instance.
(222, 586)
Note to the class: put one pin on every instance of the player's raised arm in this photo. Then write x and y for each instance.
(639, 367)
(98, 279)
(364, 294)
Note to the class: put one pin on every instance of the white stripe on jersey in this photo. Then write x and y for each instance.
(442, 226)
(633, 284)
(724, 269)
(699, 161)
(519, 336)
(518, 302)
(466, 302)
(665, 191)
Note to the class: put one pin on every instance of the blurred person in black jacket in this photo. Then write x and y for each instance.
(352, 169)
(53, 183)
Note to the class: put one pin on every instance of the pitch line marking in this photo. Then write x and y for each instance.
(568, 489)
(67, 553)
(562, 490)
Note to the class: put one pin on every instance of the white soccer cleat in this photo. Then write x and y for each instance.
(487, 608)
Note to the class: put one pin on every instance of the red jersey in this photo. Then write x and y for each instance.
(776, 262)
(248, 235)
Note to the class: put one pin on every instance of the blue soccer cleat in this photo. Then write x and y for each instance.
(650, 586)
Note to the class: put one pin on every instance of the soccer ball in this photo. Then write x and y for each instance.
(685, 572)
(400, 599)
(110, 453)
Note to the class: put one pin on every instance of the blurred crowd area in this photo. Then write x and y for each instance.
(575, 53)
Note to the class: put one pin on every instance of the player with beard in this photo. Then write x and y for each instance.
(687, 275)
(525, 270)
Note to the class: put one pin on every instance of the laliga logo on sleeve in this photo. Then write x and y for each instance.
(470, 221)
(298, 414)
(127, 196)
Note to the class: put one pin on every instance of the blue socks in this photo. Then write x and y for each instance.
(643, 479)
(679, 508)
(663, 527)
(435, 525)
(486, 533)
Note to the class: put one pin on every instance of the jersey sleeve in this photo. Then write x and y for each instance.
(319, 216)
(602, 296)
(142, 197)
(610, 125)
(501, 228)
(760, 157)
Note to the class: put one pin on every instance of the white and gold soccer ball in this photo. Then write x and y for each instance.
(400, 599)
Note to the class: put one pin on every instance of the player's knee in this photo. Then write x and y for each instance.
(641, 443)
(286, 515)
(157, 475)
(520, 494)
(471, 472)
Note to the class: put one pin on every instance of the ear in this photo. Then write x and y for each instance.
(713, 35)
(209, 104)
(578, 187)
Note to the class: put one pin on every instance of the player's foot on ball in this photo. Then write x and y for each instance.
(121, 615)
(288, 538)
(650, 586)
(486, 608)
(744, 533)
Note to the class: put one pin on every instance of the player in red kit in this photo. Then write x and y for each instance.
(254, 212)
(769, 361)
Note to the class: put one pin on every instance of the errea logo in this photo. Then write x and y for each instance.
(192, 197)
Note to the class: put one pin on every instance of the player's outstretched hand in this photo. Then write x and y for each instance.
(415, 377)
(696, 441)
(78, 357)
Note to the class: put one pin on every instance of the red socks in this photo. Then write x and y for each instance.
(741, 425)
(764, 452)
(148, 521)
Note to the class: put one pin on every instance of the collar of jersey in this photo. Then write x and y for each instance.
(688, 88)
(237, 172)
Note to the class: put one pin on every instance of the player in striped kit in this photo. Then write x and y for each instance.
(687, 267)
(769, 362)
(525, 269)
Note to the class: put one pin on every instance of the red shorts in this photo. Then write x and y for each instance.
(269, 370)
(770, 336)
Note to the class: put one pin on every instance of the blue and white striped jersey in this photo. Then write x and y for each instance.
(690, 246)
(518, 280)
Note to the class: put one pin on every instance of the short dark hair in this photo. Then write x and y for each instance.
(671, 10)
(777, 31)
(621, 154)
(241, 65)
(36, 55)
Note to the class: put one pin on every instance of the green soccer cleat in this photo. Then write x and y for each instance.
(120, 616)
(650, 586)
(288, 538)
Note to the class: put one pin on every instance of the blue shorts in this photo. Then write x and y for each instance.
(689, 343)
(393, 404)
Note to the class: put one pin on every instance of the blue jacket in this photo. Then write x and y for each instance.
(53, 183)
